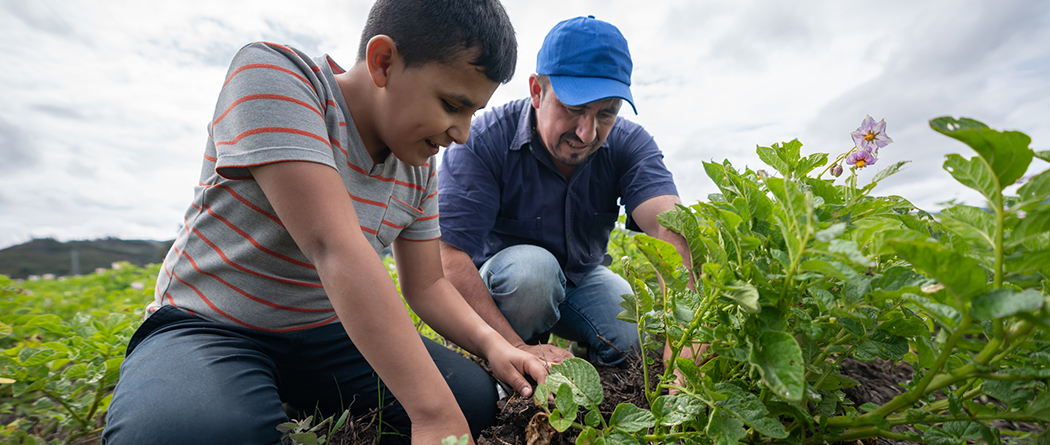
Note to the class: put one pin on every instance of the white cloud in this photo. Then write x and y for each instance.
(105, 104)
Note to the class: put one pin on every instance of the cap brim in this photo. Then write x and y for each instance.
(574, 91)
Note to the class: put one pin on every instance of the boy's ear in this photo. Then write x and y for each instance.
(380, 55)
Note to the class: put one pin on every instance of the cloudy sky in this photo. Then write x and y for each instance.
(104, 104)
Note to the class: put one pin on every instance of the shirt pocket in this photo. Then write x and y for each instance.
(396, 218)
(530, 228)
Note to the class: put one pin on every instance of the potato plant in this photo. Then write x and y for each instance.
(792, 274)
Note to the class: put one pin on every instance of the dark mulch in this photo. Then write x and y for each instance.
(521, 422)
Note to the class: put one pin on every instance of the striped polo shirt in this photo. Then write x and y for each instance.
(233, 261)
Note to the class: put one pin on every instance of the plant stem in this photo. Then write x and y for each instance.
(909, 397)
(72, 412)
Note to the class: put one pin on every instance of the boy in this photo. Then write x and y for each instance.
(274, 291)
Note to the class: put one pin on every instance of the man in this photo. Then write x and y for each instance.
(531, 197)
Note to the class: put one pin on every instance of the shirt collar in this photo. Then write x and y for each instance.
(523, 136)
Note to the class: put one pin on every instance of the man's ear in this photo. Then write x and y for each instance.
(535, 91)
(380, 55)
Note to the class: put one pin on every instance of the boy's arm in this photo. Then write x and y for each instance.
(440, 305)
(312, 203)
(461, 272)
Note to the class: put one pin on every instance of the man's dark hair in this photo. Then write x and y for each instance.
(442, 30)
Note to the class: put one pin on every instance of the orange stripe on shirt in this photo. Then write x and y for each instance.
(249, 204)
(367, 230)
(249, 271)
(268, 66)
(428, 218)
(250, 296)
(261, 130)
(367, 201)
(255, 243)
(385, 179)
(265, 96)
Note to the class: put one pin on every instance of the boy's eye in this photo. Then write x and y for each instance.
(449, 106)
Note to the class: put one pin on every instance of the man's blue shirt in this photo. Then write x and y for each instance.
(502, 189)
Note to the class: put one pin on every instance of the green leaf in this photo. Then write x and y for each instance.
(724, 428)
(999, 303)
(5, 330)
(1016, 395)
(682, 221)
(851, 251)
(582, 378)
(1034, 224)
(778, 359)
(1005, 153)
(974, 174)
(688, 369)
(953, 433)
(304, 438)
(807, 164)
(866, 351)
(1044, 155)
(745, 294)
(773, 159)
(974, 224)
(664, 257)
(590, 436)
(832, 269)
(51, 323)
(750, 410)
(671, 410)
(885, 173)
(622, 438)
(566, 409)
(891, 347)
(830, 233)
(593, 419)
(1029, 262)
(1039, 408)
(961, 275)
(1036, 189)
(451, 440)
(630, 418)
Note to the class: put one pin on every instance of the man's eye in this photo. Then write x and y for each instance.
(449, 107)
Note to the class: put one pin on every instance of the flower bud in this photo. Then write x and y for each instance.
(836, 170)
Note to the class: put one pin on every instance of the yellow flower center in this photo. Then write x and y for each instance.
(870, 136)
(861, 163)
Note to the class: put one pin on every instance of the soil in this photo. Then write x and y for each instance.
(521, 422)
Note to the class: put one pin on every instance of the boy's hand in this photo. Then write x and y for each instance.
(549, 354)
(432, 432)
(512, 365)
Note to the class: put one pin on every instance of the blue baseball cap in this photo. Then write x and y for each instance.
(586, 60)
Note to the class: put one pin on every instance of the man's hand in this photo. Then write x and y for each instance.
(511, 365)
(550, 354)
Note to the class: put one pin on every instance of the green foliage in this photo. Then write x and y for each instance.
(62, 341)
(792, 274)
(65, 340)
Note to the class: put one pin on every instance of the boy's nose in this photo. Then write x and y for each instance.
(460, 131)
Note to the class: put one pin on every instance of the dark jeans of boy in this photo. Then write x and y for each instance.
(190, 381)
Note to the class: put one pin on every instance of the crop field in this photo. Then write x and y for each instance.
(792, 270)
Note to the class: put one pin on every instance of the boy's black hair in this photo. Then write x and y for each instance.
(442, 30)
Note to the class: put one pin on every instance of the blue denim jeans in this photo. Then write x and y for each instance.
(530, 290)
(190, 381)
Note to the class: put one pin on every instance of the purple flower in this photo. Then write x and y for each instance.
(836, 170)
(861, 158)
(871, 136)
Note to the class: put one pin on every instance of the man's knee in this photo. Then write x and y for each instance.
(527, 285)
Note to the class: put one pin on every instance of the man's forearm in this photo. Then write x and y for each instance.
(460, 271)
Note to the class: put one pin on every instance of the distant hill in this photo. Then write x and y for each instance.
(42, 256)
